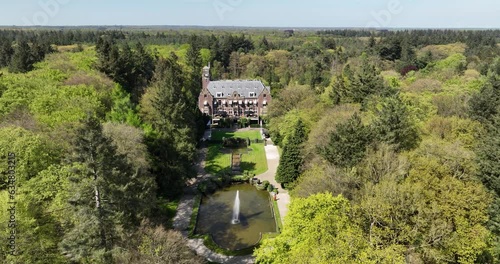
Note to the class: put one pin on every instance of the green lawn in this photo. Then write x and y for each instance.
(254, 161)
(216, 160)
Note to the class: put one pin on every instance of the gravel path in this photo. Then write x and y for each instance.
(273, 160)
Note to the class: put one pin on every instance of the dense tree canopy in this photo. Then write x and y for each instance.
(402, 124)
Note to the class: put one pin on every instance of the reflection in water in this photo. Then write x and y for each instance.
(255, 217)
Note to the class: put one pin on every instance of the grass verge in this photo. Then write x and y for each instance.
(194, 216)
(210, 243)
(277, 216)
(169, 209)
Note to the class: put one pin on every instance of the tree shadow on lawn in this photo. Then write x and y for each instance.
(217, 159)
(247, 166)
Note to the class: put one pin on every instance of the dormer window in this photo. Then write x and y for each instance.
(252, 94)
(219, 94)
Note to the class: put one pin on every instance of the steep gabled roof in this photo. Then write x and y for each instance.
(242, 87)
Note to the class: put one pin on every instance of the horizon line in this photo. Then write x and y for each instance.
(252, 27)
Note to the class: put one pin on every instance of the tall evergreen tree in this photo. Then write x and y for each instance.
(109, 198)
(366, 82)
(292, 159)
(22, 59)
(485, 104)
(488, 151)
(132, 69)
(143, 71)
(394, 125)
(166, 108)
(6, 52)
(194, 63)
(347, 145)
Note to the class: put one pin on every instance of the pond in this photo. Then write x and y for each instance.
(255, 217)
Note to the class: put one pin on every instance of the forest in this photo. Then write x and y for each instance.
(389, 141)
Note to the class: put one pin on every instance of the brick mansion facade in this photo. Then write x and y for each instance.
(233, 98)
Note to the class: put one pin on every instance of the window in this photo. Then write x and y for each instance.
(205, 95)
(265, 95)
(219, 94)
(252, 94)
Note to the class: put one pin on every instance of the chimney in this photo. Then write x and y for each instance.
(206, 77)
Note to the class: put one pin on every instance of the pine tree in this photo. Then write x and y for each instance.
(194, 63)
(22, 59)
(170, 114)
(372, 42)
(366, 82)
(488, 152)
(6, 52)
(132, 69)
(347, 145)
(143, 70)
(394, 125)
(109, 198)
(485, 104)
(291, 160)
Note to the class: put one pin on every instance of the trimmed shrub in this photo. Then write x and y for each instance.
(234, 142)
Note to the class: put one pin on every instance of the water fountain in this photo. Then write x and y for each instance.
(236, 209)
(243, 202)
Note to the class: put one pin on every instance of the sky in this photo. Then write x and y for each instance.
(255, 13)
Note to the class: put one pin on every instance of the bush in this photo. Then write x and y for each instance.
(270, 188)
(243, 122)
(266, 184)
(207, 187)
(234, 142)
(260, 187)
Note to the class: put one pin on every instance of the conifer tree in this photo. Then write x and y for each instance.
(194, 63)
(22, 59)
(109, 197)
(366, 82)
(347, 145)
(394, 125)
(166, 107)
(291, 160)
(6, 52)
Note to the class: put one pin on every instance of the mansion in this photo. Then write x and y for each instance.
(233, 98)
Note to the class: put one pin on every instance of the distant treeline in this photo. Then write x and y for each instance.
(423, 37)
(20, 49)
